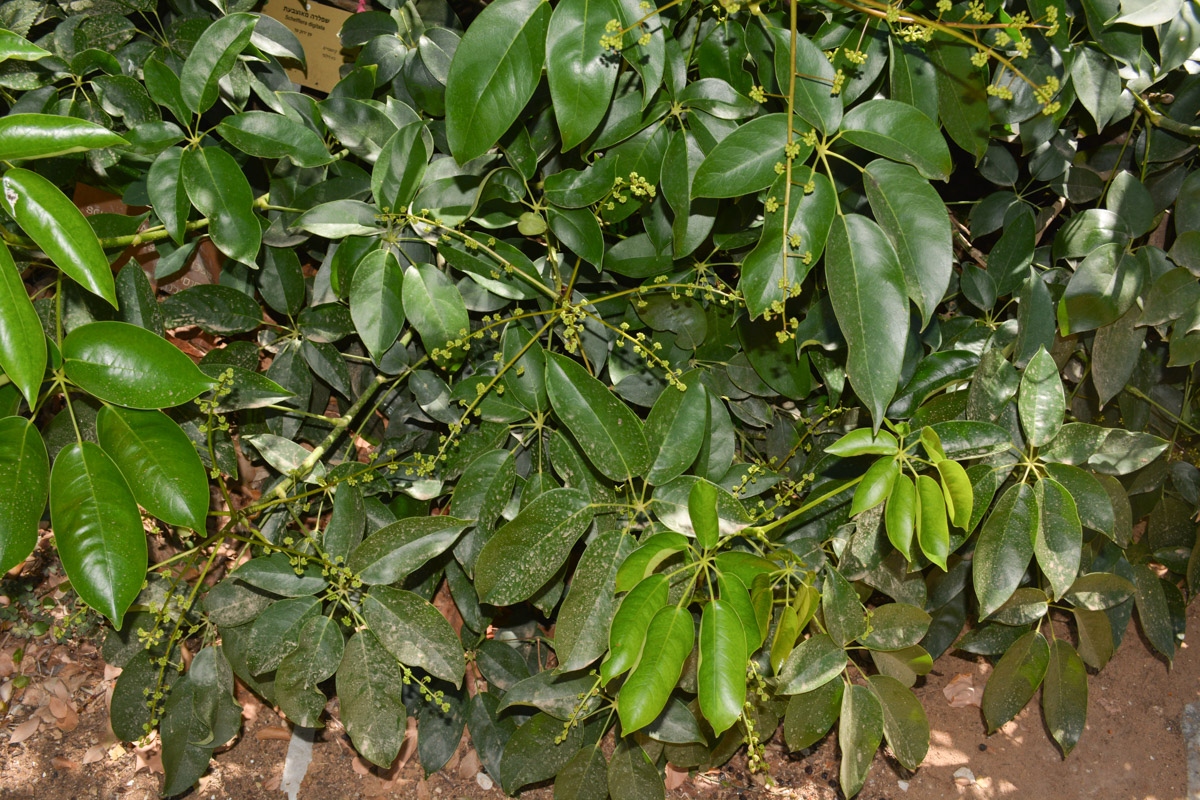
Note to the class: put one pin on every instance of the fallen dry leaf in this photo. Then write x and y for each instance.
(61, 763)
(273, 733)
(676, 777)
(93, 754)
(24, 730)
(469, 764)
(962, 692)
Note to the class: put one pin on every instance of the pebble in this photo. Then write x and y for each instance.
(903, 785)
(484, 781)
(964, 776)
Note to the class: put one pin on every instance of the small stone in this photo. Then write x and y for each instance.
(964, 776)
(903, 785)
(484, 781)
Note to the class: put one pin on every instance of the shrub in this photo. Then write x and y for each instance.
(711, 365)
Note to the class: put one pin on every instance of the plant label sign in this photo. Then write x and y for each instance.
(316, 26)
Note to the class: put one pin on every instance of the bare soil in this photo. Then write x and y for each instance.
(1132, 749)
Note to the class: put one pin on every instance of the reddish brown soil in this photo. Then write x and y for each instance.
(1132, 748)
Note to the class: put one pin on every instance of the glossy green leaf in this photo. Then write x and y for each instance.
(25, 469)
(900, 132)
(900, 515)
(495, 70)
(933, 533)
(904, 722)
(267, 135)
(1041, 400)
(400, 167)
(579, 230)
(97, 529)
(721, 671)
(276, 574)
(1059, 536)
(338, 219)
(22, 341)
(59, 229)
(702, 510)
(415, 632)
(647, 688)
(866, 286)
(435, 308)
(1005, 547)
(397, 550)
(815, 661)
(212, 57)
(914, 218)
(814, 77)
(876, 485)
(744, 161)
(631, 773)
(1064, 695)
(1097, 591)
(860, 732)
(377, 302)
(167, 192)
(628, 631)
(524, 554)
(159, 463)
(581, 71)
(610, 434)
(864, 441)
(675, 430)
(218, 187)
(369, 681)
(17, 48)
(1017, 675)
(24, 136)
(130, 366)
(962, 95)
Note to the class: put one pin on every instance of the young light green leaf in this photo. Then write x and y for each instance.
(900, 515)
(1017, 675)
(956, 487)
(628, 631)
(22, 341)
(866, 286)
(864, 441)
(130, 366)
(57, 227)
(702, 510)
(609, 433)
(159, 463)
(495, 70)
(25, 469)
(876, 485)
(97, 529)
(524, 554)
(933, 533)
(645, 692)
(721, 670)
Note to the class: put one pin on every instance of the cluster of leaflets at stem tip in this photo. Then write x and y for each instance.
(601, 372)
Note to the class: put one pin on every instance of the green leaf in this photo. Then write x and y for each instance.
(814, 100)
(275, 574)
(915, 220)
(864, 441)
(815, 662)
(962, 95)
(376, 301)
(609, 433)
(1017, 675)
(338, 219)
(97, 529)
(1041, 400)
(845, 617)
(435, 308)
(535, 752)
(400, 167)
(876, 485)
(582, 631)
(721, 671)
(702, 510)
(675, 430)
(25, 136)
(866, 286)
(585, 777)
(369, 681)
(524, 554)
(396, 551)
(627, 634)
(1059, 537)
(22, 341)
(1097, 83)
(25, 469)
(904, 722)
(1146, 14)
(1005, 547)
(482, 492)
(632, 775)
(59, 229)
(645, 692)
(900, 515)
(1097, 591)
(167, 192)
(579, 230)
(744, 161)
(212, 57)
(130, 366)
(555, 693)
(17, 48)
(933, 534)
(266, 135)
(494, 72)
(214, 308)
(315, 658)
(1104, 286)
(860, 733)
(159, 463)
(526, 378)
(414, 632)
(957, 489)
(581, 71)
(1064, 696)
(899, 132)
(1152, 610)
(809, 716)
(217, 186)
(276, 632)
(895, 626)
